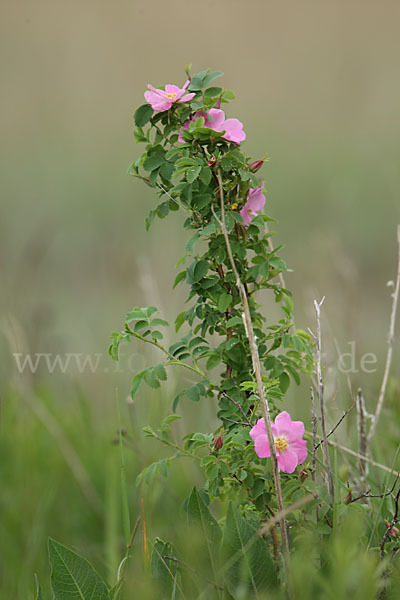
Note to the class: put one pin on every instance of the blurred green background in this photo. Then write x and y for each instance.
(317, 89)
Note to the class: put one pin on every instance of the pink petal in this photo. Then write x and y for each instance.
(246, 216)
(172, 89)
(256, 199)
(292, 430)
(216, 119)
(258, 429)
(287, 461)
(234, 131)
(187, 97)
(300, 449)
(157, 103)
(262, 447)
(185, 126)
(186, 84)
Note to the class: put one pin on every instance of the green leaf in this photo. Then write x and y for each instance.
(163, 570)
(180, 277)
(248, 563)
(159, 323)
(224, 301)
(153, 162)
(234, 322)
(200, 516)
(192, 173)
(284, 382)
(196, 83)
(143, 115)
(192, 242)
(193, 393)
(180, 319)
(205, 175)
(213, 361)
(212, 92)
(136, 382)
(210, 77)
(137, 314)
(200, 270)
(73, 577)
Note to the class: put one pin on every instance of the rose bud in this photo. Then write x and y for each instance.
(256, 166)
(303, 474)
(212, 161)
(392, 530)
(218, 442)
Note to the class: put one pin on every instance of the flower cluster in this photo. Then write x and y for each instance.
(231, 129)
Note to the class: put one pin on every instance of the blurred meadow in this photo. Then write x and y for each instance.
(317, 87)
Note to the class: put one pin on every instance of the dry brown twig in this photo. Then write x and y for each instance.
(390, 339)
(256, 367)
(325, 452)
(362, 439)
(314, 437)
(332, 431)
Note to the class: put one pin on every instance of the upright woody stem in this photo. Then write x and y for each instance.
(257, 370)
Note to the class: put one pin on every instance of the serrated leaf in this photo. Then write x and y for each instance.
(162, 569)
(284, 382)
(247, 560)
(192, 242)
(213, 361)
(136, 382)
(137, 314)
(210, 77)
(192, 173)
(193, 393)
(212, 92)
(180, 277)
(205, 175)
(234, 322)
(143, 115)
(200, 270)
(73, 577)
(200, 516)
(153, 162)
(159, 323)
(179, 321)
(224, 301)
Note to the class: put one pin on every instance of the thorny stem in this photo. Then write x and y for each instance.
(390, 339)
(257, 371)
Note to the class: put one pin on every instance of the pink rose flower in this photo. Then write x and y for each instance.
(215, 120)
(254, 204)
(291, 449)
(162, 100)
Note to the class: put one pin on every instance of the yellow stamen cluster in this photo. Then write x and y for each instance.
(281, 443)
(170, 95)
